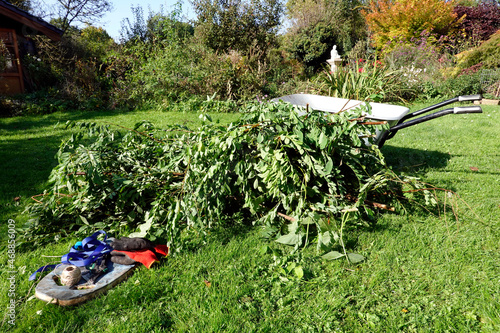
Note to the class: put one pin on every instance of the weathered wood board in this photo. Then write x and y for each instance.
(49, 290)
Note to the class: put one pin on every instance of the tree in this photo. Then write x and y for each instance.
(23, 4)
(317, 25)
(225, 25)
(158, 26)
(82, 11)
(96, 41)
(402, 20)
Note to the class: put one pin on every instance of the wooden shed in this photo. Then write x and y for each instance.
(16, 27)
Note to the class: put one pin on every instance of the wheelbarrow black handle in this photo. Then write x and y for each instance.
(470, 98)
(467, 109)
(456, 110)
(464, 98)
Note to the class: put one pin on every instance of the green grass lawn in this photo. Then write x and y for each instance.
(423, 273)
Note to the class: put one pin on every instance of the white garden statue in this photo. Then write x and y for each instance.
(333, 53)
(335, 59)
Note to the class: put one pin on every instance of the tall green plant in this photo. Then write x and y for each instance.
(365, 79)
(359, 83)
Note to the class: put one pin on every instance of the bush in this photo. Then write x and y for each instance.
(237, 25)
(479, 21)
(420, 52)
(366, 79)
(318, 25)
(168, 67)
(488, 54)
(466, 84)
(490, 81)
(362, 50)
(402, 20)
(311, 45)
(73, 67)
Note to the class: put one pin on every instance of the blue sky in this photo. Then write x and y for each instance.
(111, 22)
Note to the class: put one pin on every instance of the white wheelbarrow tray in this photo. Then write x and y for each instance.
(394, 115)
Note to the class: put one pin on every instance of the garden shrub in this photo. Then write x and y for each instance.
(400, 20)
(166, 73)
(490, 82)
(318, 25)
(366, 79)
(158, 26)
(488, 54)
(237, 25)
(362, 50)
(423, 52)
(466, 84)
(73, 68)
(161, 67)
(311, 45)
(480, 21)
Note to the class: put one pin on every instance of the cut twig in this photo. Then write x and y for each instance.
(136, 131)
(286, 217)
(348, 210)
(379, 205)
(44, 194)
(373, 123)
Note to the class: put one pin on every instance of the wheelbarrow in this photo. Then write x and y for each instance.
(397, 117)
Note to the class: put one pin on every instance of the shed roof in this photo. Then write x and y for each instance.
(26, 22)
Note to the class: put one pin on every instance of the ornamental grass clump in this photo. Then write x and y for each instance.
(312, 170)
(365, 79)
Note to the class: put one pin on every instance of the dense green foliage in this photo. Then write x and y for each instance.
(401, 20)
(312, 44)
(237, 25)
(271, 161)
(318, 25)
(487, 54)
(158, 26)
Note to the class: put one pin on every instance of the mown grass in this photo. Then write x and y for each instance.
(423, 273)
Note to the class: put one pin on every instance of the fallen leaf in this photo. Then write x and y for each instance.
(17, 199)
(246, 299)
(208, 283)
(474, 169)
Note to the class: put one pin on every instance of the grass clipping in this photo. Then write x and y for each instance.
(310, 169)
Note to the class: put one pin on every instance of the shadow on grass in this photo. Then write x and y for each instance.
(414, 160)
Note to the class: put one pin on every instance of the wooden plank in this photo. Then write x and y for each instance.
(50, 291)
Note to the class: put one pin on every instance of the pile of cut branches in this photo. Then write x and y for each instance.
(160, 182)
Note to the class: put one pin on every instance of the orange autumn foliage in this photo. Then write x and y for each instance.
(400, 20)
